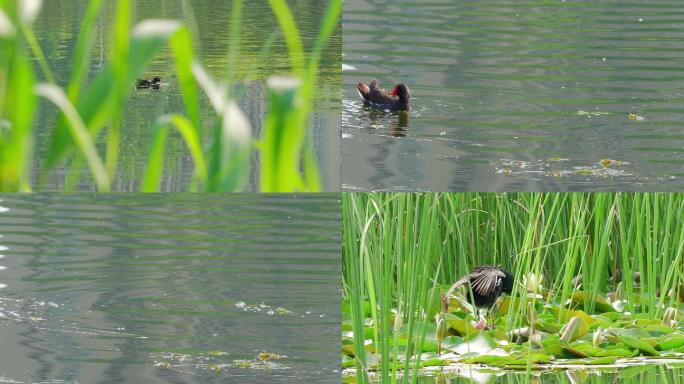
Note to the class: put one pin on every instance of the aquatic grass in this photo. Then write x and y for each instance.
(399, 245)
(286, 145)
(16, 119)
(287, 157)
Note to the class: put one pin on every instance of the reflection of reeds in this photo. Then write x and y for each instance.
(398, 246)
(94, 112)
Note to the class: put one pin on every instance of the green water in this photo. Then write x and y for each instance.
(57, 29)
(169, 288)
(516, 95)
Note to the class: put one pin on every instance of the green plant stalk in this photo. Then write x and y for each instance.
(15, 158)
(562, 234)
(37, 52)
(234, 42)
(282, 138)
(353, 282)
(155, 164)
(78, 131)
(120, 52)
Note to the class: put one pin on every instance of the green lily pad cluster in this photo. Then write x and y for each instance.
(215, 361)
(547, 335)
(267, 309)
(561, 167)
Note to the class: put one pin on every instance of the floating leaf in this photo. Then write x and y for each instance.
(461, 325)
(645, 348)
(610, 162)
(479, 343)
(670, 343)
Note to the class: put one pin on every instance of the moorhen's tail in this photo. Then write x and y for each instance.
(364, 91)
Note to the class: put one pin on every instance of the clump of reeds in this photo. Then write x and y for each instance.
(93, 111)
(398, 247)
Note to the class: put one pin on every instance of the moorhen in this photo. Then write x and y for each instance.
(145, 83)
(487, 283)
(374, 96)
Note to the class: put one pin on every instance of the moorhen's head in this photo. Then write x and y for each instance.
(156, 80)
(507, 283)
(402, 91)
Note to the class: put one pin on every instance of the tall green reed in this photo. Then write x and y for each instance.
(397, 245)
(93, 112)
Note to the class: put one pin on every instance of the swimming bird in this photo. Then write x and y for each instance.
(145, 83)
(374, 96)
(485, 284)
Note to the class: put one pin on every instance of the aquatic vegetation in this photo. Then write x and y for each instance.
(559, 167)
(263, 308)
(611, 162)
(571, 304)
(635, 117)
(92, 110)
(548, 339)
(216, 361)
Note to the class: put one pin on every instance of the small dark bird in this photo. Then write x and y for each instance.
(374, 96)
(145, 83)
(486, 283)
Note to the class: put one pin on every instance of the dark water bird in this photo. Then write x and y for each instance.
(374, 96)
(145, 83)
(485, 284)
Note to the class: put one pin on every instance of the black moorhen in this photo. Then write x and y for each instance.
(374, 96)
(144, 83)
(487, 284)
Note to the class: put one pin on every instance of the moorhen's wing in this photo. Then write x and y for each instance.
(376, 92)
(373, 94)
(463, 280)
(486, 280)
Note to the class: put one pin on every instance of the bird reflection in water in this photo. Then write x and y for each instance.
(397, 121)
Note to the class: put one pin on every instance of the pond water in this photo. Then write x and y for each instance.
(170, 288)
(57, 30)
(516, 95)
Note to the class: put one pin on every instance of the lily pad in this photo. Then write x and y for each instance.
(631, 342)
(670, 343)
(479, 343)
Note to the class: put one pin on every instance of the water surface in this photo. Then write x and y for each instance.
(170, 288)
(57, 29)
(516, 95)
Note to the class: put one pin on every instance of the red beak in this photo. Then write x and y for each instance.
(394, 91)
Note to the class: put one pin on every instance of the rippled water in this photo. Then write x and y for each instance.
(516, 95)
(170, 288)
(57, 30)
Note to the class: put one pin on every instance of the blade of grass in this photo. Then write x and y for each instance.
(78, 131)
(155, 164)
